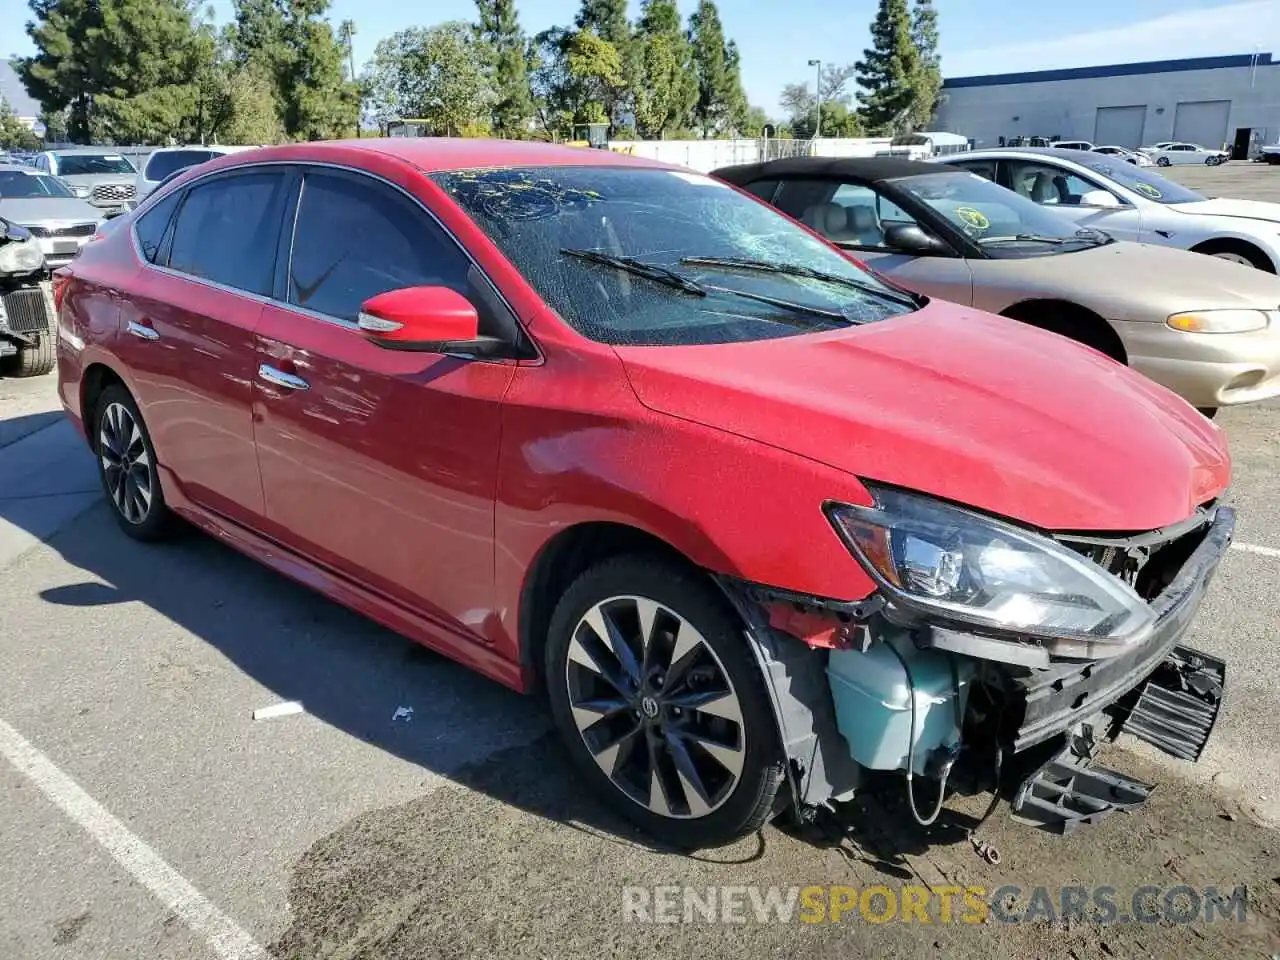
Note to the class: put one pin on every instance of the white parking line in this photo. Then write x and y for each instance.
(1254, 548)
(223, 935)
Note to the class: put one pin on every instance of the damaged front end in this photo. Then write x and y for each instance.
(991, 648)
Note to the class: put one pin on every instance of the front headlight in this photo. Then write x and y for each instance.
(951, 564)
(82, 192)
(24, 256)
(1220, 321)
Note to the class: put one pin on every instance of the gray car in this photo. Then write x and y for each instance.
(59, 221)
(1206, 328)
(98, 174)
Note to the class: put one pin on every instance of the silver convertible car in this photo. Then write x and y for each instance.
(1206, 328)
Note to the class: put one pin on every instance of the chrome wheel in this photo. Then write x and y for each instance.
(655, 707)
(126, 463)
(1233, 257)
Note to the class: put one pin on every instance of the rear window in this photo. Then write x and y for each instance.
(168, 162)
(151, 226)
(227, 231)
(79, 164)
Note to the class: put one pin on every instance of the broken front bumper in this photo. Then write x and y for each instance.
(1058, 697)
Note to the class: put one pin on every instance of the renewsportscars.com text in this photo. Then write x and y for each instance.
(937, 904)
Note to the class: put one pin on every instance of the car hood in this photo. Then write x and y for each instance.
(960, 404)
(1226, 207)
(1133, 281)
(93, 179)
(36, 211)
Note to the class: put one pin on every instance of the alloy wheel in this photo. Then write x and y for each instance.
(655, 707)
(126, 463)
(1234, 257)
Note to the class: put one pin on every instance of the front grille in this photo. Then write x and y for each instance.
(28, 311)
(1148, 562)
(113, 192)
(75, 230)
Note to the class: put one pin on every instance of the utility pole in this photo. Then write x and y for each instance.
(817, 100)
(346, 31)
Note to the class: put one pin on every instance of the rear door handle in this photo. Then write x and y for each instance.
(142, 331)
(289, 381)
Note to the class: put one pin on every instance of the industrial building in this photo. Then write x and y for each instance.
(1228, 102)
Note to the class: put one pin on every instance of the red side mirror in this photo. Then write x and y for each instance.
(426, 319)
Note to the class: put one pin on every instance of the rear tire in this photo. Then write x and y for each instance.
(1162, 161)
(667, 716)
(32, 360)
(127, 467)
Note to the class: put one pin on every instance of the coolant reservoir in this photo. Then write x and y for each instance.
(873, 702)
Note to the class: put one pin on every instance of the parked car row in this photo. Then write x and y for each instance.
(764, 524)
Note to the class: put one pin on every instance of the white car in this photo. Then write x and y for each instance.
(1134, 203)
(160, 163)
(1072, 145)
(1188, 153)
(1137, 158)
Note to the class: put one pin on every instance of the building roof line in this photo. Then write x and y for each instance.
(1112, 70)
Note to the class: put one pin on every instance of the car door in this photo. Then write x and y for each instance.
(188, 323)
(854, 215)
(1066, 192)
(380, 464)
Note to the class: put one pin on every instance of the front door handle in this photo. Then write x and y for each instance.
(289, 381)
(142, 331)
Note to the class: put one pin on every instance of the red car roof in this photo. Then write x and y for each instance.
(433, 154)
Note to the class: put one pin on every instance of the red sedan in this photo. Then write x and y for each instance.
(619, 432)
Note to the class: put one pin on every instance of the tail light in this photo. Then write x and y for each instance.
(61, 280)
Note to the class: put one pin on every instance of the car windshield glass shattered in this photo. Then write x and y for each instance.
(1002, 222)
(631, 255)
(1141, 180)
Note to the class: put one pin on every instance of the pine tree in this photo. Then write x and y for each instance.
(721, 105)
(607, 19)
(499, 30)
(125, 68)
(888, 72)
(668, 89)
(924, 34)
(294, 44)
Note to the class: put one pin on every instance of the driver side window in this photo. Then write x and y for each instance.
(851, 214)
(1048, 185)
(355, 238)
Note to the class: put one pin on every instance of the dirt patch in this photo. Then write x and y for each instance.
(67, 930)
(513, 860)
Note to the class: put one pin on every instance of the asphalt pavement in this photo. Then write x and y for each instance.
(414, 809)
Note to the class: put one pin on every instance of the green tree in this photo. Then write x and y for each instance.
(499, 30)
(294, 44)
(125, 68)
(668, 91)
(14, 134)
(434, 73)
(924, 34)
(253, 118)
(888, 71)
(754, 122)
(721, 106)
(607, 19)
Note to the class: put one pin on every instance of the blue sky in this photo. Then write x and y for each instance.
(777, 40)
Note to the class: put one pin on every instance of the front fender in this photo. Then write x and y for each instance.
(590, 452)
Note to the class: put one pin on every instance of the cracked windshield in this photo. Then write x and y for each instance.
(651, 256)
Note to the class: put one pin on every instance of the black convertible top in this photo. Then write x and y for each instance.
(866, 169)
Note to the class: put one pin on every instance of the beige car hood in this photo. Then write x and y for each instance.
(1126, 281)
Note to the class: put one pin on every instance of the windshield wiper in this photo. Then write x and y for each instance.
(1028, 238)
(678, 281)
(650, 271)
(799, 270)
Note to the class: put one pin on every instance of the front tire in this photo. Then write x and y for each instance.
(32, 360)
(661, 704)
(127, 467)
